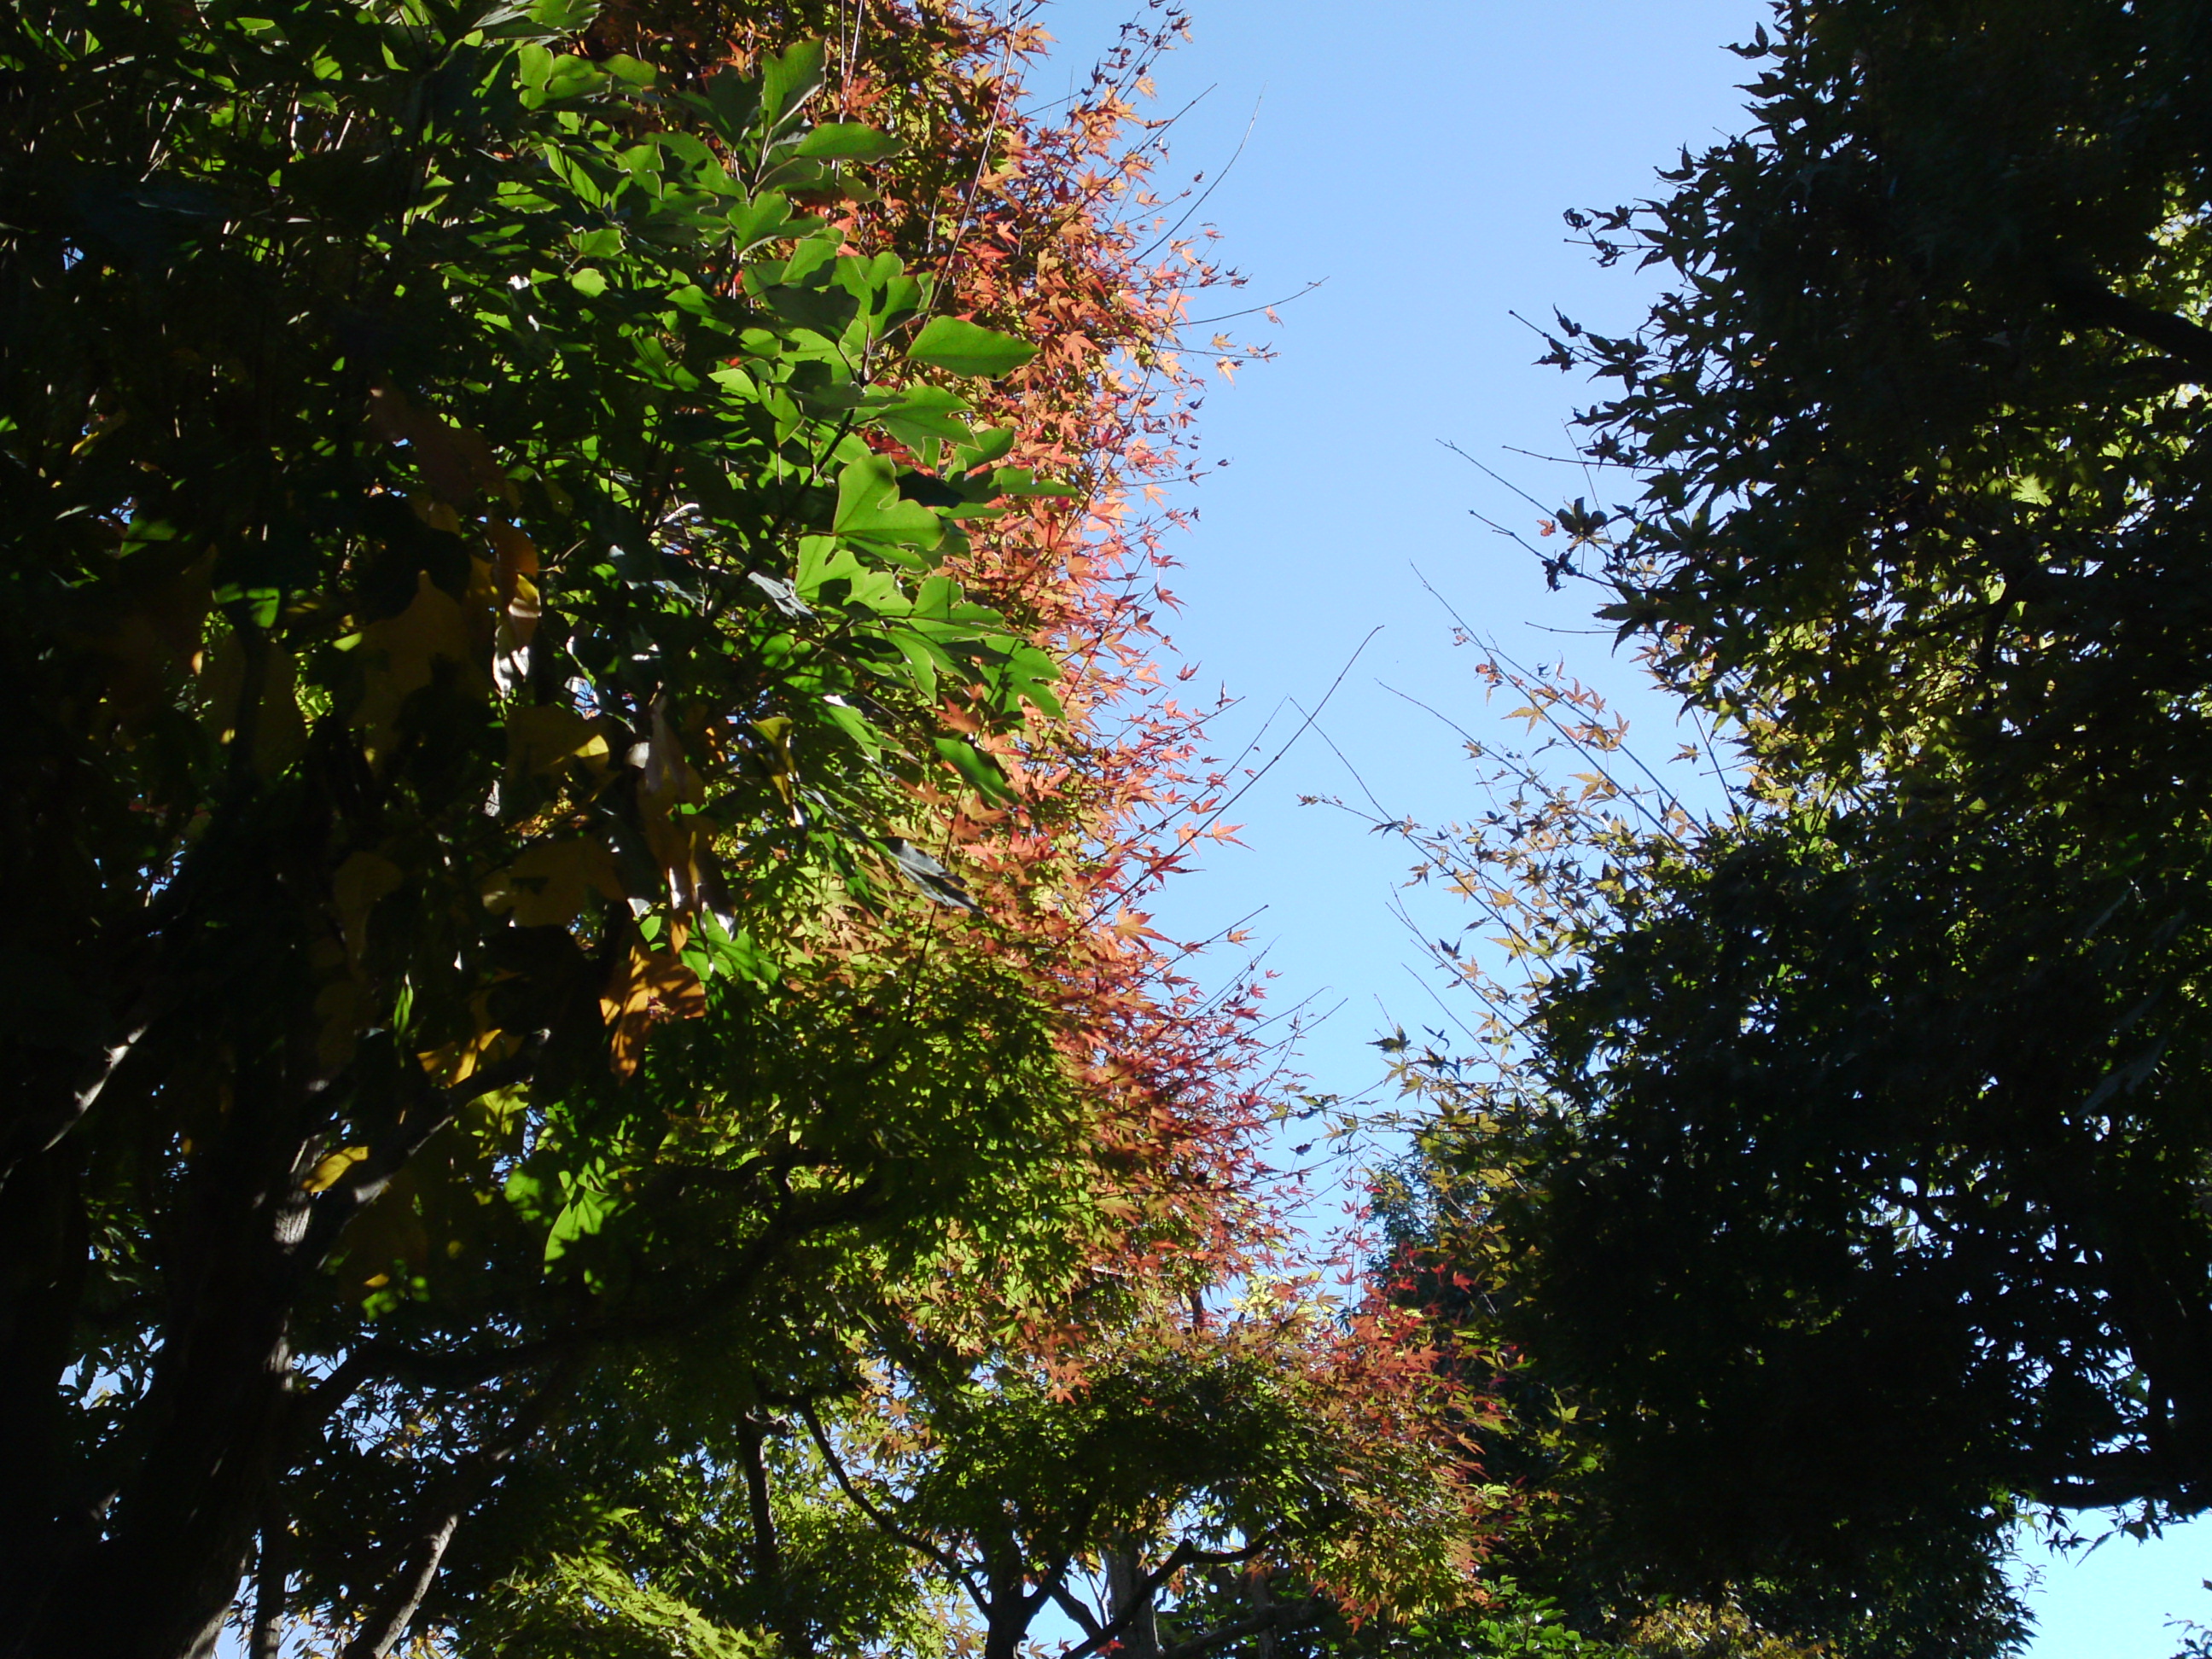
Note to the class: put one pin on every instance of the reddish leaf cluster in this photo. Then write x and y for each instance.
(1040, 221)
(1043, 226)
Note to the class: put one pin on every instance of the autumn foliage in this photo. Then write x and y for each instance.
(590, 805)
(1046, 225)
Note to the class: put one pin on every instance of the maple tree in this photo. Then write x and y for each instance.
(559, 1549)
(1167, 1450)
(584, 672)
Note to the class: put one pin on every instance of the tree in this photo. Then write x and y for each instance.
(460, 624)
(559, 918)
(705, 1520)
(1159, 1455)
(1863, 1126)
(1740, 1554)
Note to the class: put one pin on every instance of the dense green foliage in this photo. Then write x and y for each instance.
(1855, 1185)
(523, 1138)
(456, 623)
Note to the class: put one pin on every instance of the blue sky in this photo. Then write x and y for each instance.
(1417, 157)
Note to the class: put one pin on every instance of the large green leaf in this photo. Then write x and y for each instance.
(847, 141)
(869, 504)
(966, 347)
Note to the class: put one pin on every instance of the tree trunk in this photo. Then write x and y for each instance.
(43, 1252)
(214, 1423)
(1128, 1596)
(459, 1493)
(185, 1528)
(272, 1578)
(1263, 1643)
(1007, 1619)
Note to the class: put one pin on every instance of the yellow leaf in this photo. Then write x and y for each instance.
(435, 514)
(645, 989)
(516, 560)
(673, 838)
(454, 461)
(545, 887)
(280, 731)
(453, 1062)
(100, 428)
(398, 657)
(361, 881)
(337, 1023)
(388, 1235)
(515, 582)
(332, 1169)
(540, 739)
(480, 610)
(456, 1062)
(144, 639)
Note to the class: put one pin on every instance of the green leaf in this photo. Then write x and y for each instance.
(869, 504)
(735, 952)
(258, 602)
(822, 560)
(922, 413)
(564, 16)
(787, 81)
(966, 347)
(981, 771)
(847, 141)
(809, 256)
(1022, 484)
(992, 443)
(762, 219)
(587, 1213)
(800, 174)
(732, 103)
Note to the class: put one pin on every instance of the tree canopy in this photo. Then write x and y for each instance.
(586, 748)
(583, 759)
(1857, 1142)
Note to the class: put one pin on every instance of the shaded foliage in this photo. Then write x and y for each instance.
(460, 626)
(1848, 1183)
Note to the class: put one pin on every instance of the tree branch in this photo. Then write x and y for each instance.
(272, 1575)
(383, 1362)
(890, 1528)
(1179, 1557)
(336, 1206)
(2153, 1483)
(381, 1630)
(1277, 1620)
(2084, 298)
(41, 1133)
(389, 1362)
(767, 1564)
(1072, 1606)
